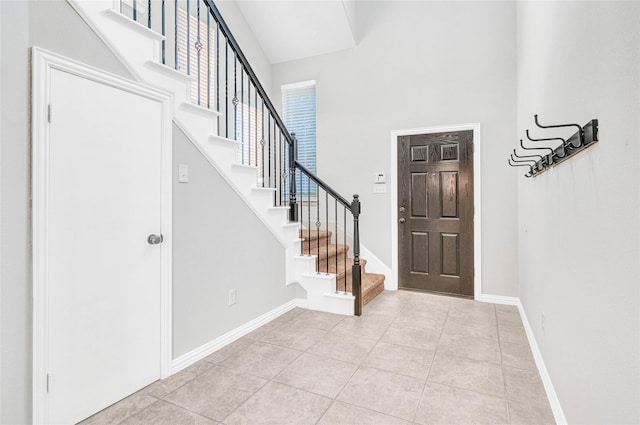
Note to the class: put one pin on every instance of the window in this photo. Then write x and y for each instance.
(299, 110)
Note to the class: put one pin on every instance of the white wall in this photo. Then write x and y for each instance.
(420, 64)
(578, 236)
(247, 41)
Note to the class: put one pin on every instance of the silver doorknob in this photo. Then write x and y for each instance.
(155, 239)
(402, 220)
(402, 209)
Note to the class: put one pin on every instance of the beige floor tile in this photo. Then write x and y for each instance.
(400, 359)
(290, 315)
(471, 347)
(524, 385)
(531, 413)
(370, 326)
(216, 393)
(317, 374)
(459, 372)
(428, 319)
(117, 412)
(517, 355)
(508, 315)
(465, 327)
(384, 392)
(424, 339)
(165, 386)
(473, 311)
(512, 332)
(317, 319)
(261, 359)
(294, 336)
(425, 302)
(229, 350)
(348, 349)
(442, 404)
(279, 404)
(263, 330)
(163, 413)
(345, 414)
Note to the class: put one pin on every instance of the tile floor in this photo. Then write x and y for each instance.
(411, 358)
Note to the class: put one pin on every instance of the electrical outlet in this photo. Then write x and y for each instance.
(232, 296)
(542, 322)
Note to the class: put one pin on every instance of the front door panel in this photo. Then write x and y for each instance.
(435, 200)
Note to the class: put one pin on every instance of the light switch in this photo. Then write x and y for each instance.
(379, 188)
(380, 178)
(183, 173)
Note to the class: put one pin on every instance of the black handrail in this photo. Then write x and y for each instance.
(245, 63)
(323, 185)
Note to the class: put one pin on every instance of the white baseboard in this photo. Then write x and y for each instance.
(210, 347)
(554, 402)
(498, 299)
(542, 369)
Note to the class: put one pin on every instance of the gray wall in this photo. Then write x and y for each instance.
(420, 64)
(578, 236)
(219, 244)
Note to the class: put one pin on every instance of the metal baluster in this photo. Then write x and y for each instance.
(281, 170)
(255, 137)
(344, 238)
(218, 71)
(148, 13)
(135, 10)
(242, 109)
(188, 39)
(175, 24)
(336, 237)
(269, 147)
(301, 215)
(309, 213)
(226, 88)
(208, 61)
(262, 142)
(198, 47)
(318, 227)
(293, 153)
(164, 41)
(249, 118)
(235, 96)
(326, 226)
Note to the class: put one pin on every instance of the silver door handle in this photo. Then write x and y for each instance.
(155, 239)
(402, 220)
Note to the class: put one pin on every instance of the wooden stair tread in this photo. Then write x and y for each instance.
(342, 267)
(325, 251)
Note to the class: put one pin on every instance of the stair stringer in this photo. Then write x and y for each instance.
(138, 48)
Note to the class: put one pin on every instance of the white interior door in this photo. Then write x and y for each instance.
(103, 280)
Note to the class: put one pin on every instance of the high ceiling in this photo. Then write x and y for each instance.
(295, 29)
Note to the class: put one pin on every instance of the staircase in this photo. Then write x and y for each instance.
(333, 258)
(237, 129)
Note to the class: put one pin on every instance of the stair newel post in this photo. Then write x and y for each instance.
(293, 156)
(356, 275)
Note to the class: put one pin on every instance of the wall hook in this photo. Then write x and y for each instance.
(580, 130)
(564, 143)
(535, 140)
(529, 174)
(526, 156)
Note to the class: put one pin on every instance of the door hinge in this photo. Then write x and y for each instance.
(48, 381)
(49, 113)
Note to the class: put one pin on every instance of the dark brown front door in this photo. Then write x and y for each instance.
(435, 212)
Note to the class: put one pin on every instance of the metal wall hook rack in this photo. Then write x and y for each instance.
(584, 137)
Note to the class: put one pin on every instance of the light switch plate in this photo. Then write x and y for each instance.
(183, 173)
(379, 188)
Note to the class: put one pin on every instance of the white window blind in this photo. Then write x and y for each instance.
(299, 114)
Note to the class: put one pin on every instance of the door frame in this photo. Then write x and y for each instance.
(477, 208)
(43, 62)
